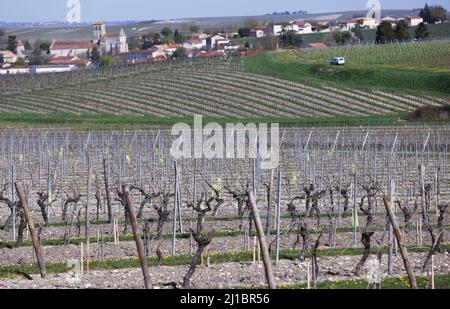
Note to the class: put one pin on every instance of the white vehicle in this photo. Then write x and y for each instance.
(338, 61)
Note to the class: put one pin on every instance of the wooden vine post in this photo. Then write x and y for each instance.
(34, 237)
(398, 235)
(137, 238)
(108, 196)
(262, 242)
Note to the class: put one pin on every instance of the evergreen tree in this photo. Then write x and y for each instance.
(12, 43)
(385, 33)
(421, 32)
(425, 13)
(402, 31)
(166, 32)
(290, 38)
(178, 37)
(358, 33)
(342, 38)
(433, 14)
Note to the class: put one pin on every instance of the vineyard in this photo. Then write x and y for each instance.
(429, 54)
(414, 68)
(211, 87)
(79, 208)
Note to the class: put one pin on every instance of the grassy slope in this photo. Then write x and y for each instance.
(392, 78)
(111, 122)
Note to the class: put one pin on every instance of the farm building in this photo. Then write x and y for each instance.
(413, 20)
(17, 69)
(71, 48)
(43, 69)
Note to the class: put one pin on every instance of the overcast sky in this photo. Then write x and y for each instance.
(108, 10)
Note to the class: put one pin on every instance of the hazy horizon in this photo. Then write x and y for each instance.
(92, 10)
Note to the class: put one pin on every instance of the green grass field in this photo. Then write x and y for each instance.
(415, 68)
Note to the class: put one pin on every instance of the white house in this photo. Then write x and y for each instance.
(259, 32)
(303, 27)
(22, 69)
(43, 69)
(214, 40)
(165, 49)
(20, 49)
(193, 44)
(110, 43)
(71, 48)
(413, 20)
(8, 56)
(298, 26)
(364, 22)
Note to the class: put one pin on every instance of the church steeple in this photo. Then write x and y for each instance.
(99, 30)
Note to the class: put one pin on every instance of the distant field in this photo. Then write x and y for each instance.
(414, 68)
(216, 88)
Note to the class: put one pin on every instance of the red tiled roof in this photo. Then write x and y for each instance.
(111, 35)
(193, 42)
(69, 61)
(72, 45)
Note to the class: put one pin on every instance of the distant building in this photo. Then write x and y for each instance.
(258, 32)
(8, 56)
(413, 21)
(17, 69)
(113, 43)
(71, 48)
(20, 49)
(193, 44)
(146, 56)
(389, 19)
(165, 49)
(364, 22)
(213, 40)
(36, 69)
(43, 69)
(73, 61)
(298, 26)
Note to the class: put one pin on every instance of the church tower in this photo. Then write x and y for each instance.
(99, 30)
